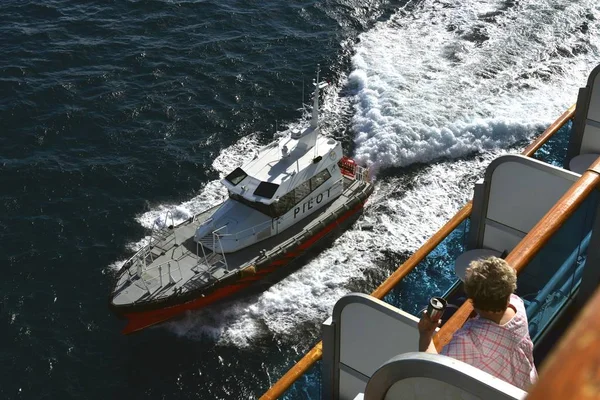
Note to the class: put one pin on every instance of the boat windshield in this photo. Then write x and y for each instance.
(263, 208)
(236, 176)
(285, 203)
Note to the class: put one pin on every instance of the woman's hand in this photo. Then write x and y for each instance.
(426, 329)
(426, 325)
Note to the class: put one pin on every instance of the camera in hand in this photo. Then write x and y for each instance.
(436, 308)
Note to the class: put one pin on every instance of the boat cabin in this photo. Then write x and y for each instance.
(287, 181)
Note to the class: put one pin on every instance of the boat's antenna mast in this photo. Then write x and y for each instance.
(314, 122)
(303, 107)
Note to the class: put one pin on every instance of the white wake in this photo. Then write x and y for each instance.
(453, 77)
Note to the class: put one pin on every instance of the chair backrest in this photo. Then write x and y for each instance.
(361, 335)
(585, 134)
(430, 376)
(516, 192)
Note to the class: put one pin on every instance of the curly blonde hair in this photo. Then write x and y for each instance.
(489, 283)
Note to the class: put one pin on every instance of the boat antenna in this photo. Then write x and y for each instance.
(303, 108)
(314, 122)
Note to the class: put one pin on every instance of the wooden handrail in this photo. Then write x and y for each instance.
(572, 371)
(549, 132)
(532, 243)
(423, 251)
(315, 354)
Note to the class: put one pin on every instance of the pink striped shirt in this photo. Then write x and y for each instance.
(504, 351)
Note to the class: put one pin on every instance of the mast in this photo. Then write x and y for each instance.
(308, 138)
(314, 122)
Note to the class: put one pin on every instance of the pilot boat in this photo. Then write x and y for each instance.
(292, 194)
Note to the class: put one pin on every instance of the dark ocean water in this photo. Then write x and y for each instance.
(111, 109)
(108, 108)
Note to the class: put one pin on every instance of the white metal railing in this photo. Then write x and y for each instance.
(213, 242)
(141, 257)
(163, 278)
(246, 232)
(362, 173)
(156, 228)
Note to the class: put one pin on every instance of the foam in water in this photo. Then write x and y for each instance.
(439, 82)
(453, 77)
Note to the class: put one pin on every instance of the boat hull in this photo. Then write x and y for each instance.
(143, 316)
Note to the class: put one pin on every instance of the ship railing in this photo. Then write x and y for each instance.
(160, 231)
(362, 173)
(166, 276)
(315, 354)
(212, 242)
(139, 260)
(254, 230)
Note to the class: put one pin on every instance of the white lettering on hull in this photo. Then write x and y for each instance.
(310, 203)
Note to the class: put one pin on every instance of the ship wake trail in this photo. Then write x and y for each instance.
(450, 78)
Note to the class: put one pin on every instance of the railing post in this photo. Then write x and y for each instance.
(145, 285)
(171, 279)
(160, 275)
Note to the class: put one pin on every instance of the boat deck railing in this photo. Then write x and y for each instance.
(160, 231)
(519, 255)
(165, 276)
(362, 173)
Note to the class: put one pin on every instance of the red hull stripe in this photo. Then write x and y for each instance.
(144, 319)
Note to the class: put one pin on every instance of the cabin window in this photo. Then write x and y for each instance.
(285, 203)
(236, 176)
(288, 201)
(263, 208)
(266, 190)
(319, 179)
(302, 190)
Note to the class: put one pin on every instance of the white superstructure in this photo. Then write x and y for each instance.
(287, 181)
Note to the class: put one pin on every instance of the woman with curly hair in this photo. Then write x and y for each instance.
(497, 340)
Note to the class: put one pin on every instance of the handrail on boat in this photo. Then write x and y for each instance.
(532, 243)
(315, 354)
(159, 277)
(156, 222)
(549, 132)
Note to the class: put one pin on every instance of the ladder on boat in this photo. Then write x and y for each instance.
(212, 253)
